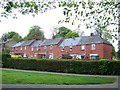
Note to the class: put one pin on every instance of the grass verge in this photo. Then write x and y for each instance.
(18, 77)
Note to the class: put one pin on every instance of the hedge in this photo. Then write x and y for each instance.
(4, 55)
(101, 67)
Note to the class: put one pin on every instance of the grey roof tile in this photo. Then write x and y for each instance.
(51, 41)
(26, 43)
(92, 39)
(18, 44)
(83, 40)
(37, 43)
(70, 42)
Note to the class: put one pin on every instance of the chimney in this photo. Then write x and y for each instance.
(53, 37)
(92, 34)
(73, 37)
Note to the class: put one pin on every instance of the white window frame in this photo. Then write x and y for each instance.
(51, 56)
(37, 48)
(31, 55)
(15, 48)
(95, 55)
(24, 55)
(62, 48)
(93, 47)
(21, 48)
(45, 47)
(25, 48)
(70, 48)
(35, 55)
(32, 48)
(51, 47)
(82, 47)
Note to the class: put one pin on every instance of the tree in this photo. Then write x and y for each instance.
(96, 15)
(113, 52)
(70, 34)
(17, 38)
(11, 35)
(35, 32)
(118, 54)
(61, 31)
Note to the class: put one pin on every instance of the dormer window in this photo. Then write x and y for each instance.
(70, 48)
(62, 49)
(93, 47)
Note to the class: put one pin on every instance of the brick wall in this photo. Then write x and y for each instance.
(103, 50)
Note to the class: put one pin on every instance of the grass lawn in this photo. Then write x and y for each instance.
(17, 77)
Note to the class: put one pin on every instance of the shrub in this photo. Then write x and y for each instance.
(5, 55)
(105, 67)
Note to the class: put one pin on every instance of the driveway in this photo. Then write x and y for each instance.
(113, 86)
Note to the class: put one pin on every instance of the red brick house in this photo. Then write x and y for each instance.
(85, 47)
(46, 49)
(22, 48)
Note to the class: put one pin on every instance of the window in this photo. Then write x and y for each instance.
(16, 48)
(45, 47)
(93, 47)
(32, 49)
(82, 56)
(51, 56)
(35, 55)
(70, 48)
(82, 47)
(51, 46)
(25, 47)
(94, 56)
(37, 48)
(25, 55)
(62, 49)
(31, 55)
(21, 48)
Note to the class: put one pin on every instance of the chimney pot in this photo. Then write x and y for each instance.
(92, 34)
(73, 37)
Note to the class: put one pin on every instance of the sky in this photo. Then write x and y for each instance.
(47, 21)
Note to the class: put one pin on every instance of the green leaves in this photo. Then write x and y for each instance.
(81, 13)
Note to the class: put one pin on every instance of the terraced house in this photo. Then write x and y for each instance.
(84, 47)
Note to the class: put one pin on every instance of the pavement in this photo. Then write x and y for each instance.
(113, 86)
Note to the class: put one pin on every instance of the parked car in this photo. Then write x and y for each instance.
(16, 56)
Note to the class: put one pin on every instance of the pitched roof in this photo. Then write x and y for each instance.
(51, 41)
(92, 39)
(26, 43)
(37, 43)
(83, 40)
(70, 42)
(18, 44)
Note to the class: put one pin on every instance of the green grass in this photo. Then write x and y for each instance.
(17, 77)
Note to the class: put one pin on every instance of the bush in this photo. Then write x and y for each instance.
(4, 55)
(102, 67)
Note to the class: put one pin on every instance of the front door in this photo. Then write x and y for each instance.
(51, 56)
